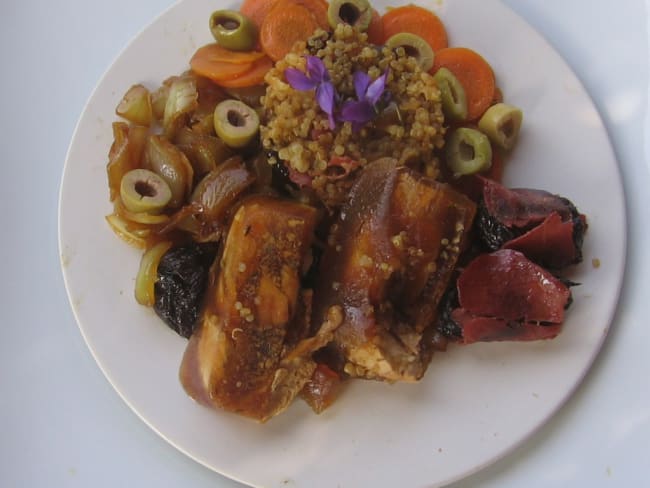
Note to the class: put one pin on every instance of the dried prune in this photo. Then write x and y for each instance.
(182, 281)
(492, 233)
(446, 325)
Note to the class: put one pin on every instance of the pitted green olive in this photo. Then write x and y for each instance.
(233, 30)
(142, 190)
(414, 46)
(468, 151)
(452, 95)
(357, 13)
(235, 123)
(501, 123)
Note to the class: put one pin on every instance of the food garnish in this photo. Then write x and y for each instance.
(318, 198)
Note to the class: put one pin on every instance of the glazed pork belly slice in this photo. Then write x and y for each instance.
(388, 260)
(249, 354)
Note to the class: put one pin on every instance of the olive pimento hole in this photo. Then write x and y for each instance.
(228, 24)
(466, 151)
(145, 189)
(508, 128)
(411, 51)
(349, 13)
(235, 118)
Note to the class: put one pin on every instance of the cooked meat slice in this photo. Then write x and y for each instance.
(547, 228)
(387, 263)
(322, 389)
(555, 243)
(245, 356)
(504, 296)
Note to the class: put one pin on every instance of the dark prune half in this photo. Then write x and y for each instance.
(445, 324)
(492, 233)
(182, 281)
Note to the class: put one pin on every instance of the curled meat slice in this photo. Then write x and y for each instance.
(551, 243)
(245, 355)
(505, 296)
(388, 260)
(547, 228)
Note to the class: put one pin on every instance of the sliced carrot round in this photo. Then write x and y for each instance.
(217, 54)
(375, 29)
(473, 72)
(256, 10)
(254, 76)
(415, 20)
(318, 9)
(218, 70)
(286, 24)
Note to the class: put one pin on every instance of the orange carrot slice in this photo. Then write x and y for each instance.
(418, 21)
(254, 76)
(473, 72)
(257, 10)
(216, 63)
(214, 52)
(375, 29)
(318, 9)
(286, 24)
(218, 70)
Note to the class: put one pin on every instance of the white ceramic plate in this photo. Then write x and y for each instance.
(475, 404)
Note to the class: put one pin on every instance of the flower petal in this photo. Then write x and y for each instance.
(325, 97)
(298, 80)
(376, 88)
(360, 112)
(316, 69)
(331, 121)
(361, 82)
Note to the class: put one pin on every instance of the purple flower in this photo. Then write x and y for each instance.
(317, 77)
(369, 94)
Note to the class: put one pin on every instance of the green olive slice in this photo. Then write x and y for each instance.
(501, 123)
(452, 95)
(414, 46)
(235, 123)
(233, 30)
(142, 190)
(468, 151)
(357, 13)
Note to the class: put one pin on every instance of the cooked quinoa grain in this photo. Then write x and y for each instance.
(409, 128)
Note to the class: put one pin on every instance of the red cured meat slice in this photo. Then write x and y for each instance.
(550, 243)
(489, 329)
(504, 295)
(523, 208)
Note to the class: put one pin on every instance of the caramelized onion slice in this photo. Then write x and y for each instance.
(125, 153)
(204, 151)
(220, 188)
(182, 100)
(135, 106)
(148, 272)
(133, 234)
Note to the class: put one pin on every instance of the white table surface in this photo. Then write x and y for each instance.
(62, 424)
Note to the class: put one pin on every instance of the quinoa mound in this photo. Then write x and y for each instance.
(297, 132)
